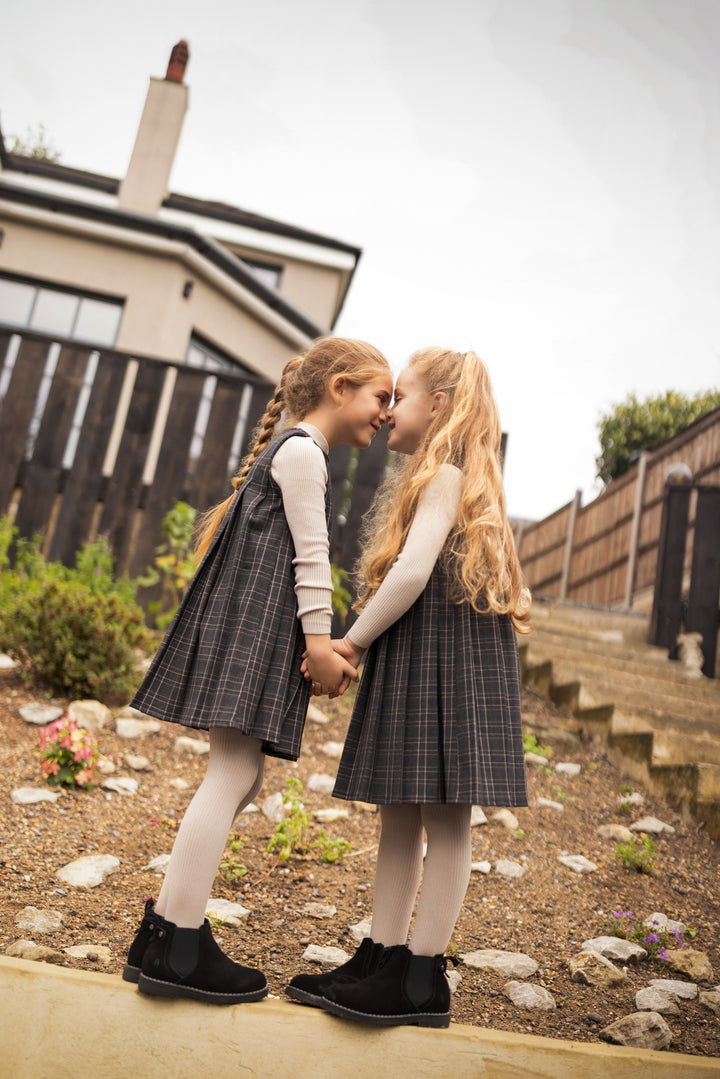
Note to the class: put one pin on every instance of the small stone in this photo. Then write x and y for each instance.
(326, 957)
(509, 964)
(365, 807)
(656, 1000)
(547, 803)
(27, 949)
(690, 962)
(642, 1030)
(321, 784)
(453, 979)
(657, 920)
(27, 796)
(567, 768)
(314, 714)
(327, 816)
(131, 727)
(711, 1000)
(226, 912)
(683, 990)
(591, 968)
(275, 809)
(360, 930)
(120, 785)
(617, 832)
(158, 865)
(105, 766)
(195, 746)
(332, 749)
(33, 920)
(318, 910)
(635, 798)
(480, 867)
(250, 808)
(90, 871)
(594, 1017)
(651, 825)
(40, 714)
(535, 758)
(507, 819)
(7, 663)
(578, 863)
(477, 817)
(510, 870)
(527, 995)
(616, 948)
(90, 715)
(137, 762)
(94, 953)
(179, 784)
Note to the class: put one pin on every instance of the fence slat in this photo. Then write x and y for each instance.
(42, 472)
(211, 482)
(16, 413)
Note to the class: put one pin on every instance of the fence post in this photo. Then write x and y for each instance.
(635, 530)
(702, 613)
(667, 597)
(567, 556)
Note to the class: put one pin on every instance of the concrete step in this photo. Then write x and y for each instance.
(61, 1023)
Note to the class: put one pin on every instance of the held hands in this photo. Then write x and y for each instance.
(329, 672)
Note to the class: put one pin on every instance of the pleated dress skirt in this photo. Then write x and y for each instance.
(437, 714)
(232, 655)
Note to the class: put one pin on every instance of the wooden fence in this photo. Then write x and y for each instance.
(606, 553)
(104, 443)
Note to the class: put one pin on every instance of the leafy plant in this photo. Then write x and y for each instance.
(331, 850)
(290, 834)
(77, 629)
(341, 598)
(233, 868)
(531, 745)
(69, 754)
(174, 564)
(638, 854)
(655, 940)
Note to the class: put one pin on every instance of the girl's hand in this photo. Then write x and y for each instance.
(351, 652)
(329, 672)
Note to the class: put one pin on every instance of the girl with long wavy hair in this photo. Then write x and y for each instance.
(231, 660)
(436, 725)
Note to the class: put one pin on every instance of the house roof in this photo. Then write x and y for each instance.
(217, 253)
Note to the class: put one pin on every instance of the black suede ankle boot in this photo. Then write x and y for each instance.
(131, 970)
(310, 988)
(406, 989)
(189, 963)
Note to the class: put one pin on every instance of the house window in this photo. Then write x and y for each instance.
(61, 312)
(265, 271)
(208, 358)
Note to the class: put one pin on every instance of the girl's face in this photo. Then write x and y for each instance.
(363, 410)
(413, 410)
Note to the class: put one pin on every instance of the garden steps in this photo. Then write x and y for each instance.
(660, 724)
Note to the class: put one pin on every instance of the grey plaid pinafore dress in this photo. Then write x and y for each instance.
(437, 713)
(231, 656)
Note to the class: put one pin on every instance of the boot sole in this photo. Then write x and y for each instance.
(155, 987)
(418, 1019)
(315, 1000)
(131, 974)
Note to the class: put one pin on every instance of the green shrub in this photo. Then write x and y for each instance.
(174, 564)
(75, 629)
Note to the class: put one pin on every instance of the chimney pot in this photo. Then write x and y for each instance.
(178, 62)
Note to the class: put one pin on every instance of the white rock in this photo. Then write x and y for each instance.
(683, 990)
(616, 948)
(527, 995)
(509, 964)
(480, 867)
(137, 762)
(365, 807)
(711, 999)
(578, 863)
(315, 715)
(89, 871)
(121, 785)
(510, 870)
(326, 957)
(131, 727)
(547, 803)
(327, 816)
(195, 746)
(32, 920)
(158, 865)
(535, 758)
(90, 715)
(321, 784)
(360, 930)
(617, 832)
(27, 796)
(592, 968)
(635, 798)
(507, 819)
(568, 768)
(7, 663)
(180, 784)
(332, 749)
(94, 952)
(40, 714)
(274, 808)
(651, 824)
(658, 921)
(105, 766)
(477, 817)
(656, 1000)
(250, 808)
(27, 949)
(642, 1030)
(318, 910)
(453, 979)
(226, 912)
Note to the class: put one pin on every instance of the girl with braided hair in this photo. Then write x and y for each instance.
(231, 659)
(436, 724)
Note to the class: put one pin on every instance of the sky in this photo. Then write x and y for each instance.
(538, 180)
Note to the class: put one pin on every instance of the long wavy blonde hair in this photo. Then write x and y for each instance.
(303, 384)
(480, 553)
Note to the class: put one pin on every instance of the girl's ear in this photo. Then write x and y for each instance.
(438, 402)
(336, 388)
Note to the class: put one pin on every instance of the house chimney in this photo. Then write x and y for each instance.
(148, 175)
